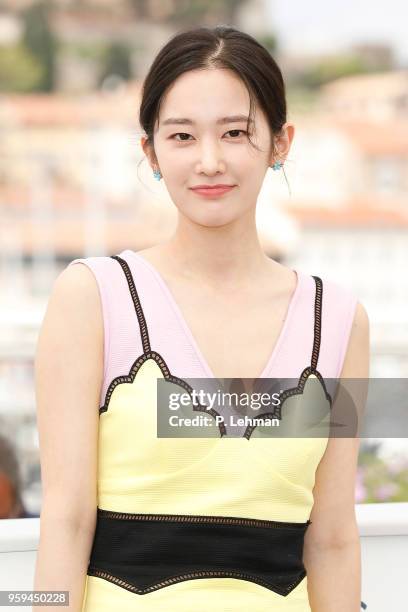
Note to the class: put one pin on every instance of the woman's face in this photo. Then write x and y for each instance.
(201, 150)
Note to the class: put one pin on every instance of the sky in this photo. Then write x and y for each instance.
(321, 25)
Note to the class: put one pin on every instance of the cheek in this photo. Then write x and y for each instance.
(177, 169)
(252, 178)
(249, 167)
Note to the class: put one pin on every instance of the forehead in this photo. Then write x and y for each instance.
(205, 96)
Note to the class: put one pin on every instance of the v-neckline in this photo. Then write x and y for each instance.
(193, 342)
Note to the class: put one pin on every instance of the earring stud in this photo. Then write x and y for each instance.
(157, 174)
(277, 165)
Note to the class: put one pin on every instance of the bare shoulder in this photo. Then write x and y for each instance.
(73, 320)
(68, 378)
(77, 283)
(361, 321)
(357, 362)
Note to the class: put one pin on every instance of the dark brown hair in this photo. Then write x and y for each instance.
(219, 47)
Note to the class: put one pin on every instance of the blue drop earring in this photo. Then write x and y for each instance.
(277, 165)
(157, 174)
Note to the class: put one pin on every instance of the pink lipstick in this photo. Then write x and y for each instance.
(212, 191)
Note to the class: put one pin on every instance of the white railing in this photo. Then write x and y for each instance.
(384, 551)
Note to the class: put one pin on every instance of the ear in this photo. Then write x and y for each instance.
(283, 142)
(148, 151)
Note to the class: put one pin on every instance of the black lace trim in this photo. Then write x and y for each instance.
(298, 390)
(144, 333)
(92, 571)
(312, 369)
(197, 407)
(317, 323)
(149, 354)
(201, 518)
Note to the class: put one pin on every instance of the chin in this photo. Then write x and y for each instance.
(215, 218)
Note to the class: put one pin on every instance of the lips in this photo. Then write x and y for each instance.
(213, 190)
(217, 186)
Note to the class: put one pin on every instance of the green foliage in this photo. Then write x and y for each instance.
(270, 42)
(40, 41)
(193, 12)
(331, 68)
(83, 49)
(116, 60)
(20, 71)
(301, 99)
(189, 12)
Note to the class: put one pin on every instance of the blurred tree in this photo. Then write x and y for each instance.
(270, 42)
(185, 13)
(39, 39)
(230, 7)
(190, 13)
(369, 448)
(330, 68)
(20, 71)
(116, 61)
(140, 7)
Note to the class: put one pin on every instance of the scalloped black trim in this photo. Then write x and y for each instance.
(169, 377)
(149, 354)
(92, 571)
(298, 390)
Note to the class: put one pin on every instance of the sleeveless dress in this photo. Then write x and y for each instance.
(202, 523)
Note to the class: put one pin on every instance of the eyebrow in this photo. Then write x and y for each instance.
(221, 121)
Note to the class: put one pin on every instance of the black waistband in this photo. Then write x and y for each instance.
(146, 552)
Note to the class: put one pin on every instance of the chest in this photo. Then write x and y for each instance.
(235, 334)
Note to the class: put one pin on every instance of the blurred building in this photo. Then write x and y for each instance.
(375, 55)
(372, 97)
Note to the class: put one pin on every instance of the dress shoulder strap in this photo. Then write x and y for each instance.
(144, 332)
(122, 340)
(317, 331)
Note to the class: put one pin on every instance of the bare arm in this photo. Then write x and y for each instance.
(68, 378)
(332, 544)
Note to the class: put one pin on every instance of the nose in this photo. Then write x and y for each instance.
(211, 158)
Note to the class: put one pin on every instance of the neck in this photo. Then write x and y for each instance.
(223, 256)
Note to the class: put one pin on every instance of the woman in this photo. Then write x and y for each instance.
(228, 519)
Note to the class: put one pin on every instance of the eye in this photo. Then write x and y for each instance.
(230, 131)
(180, 134)
(173, 137)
